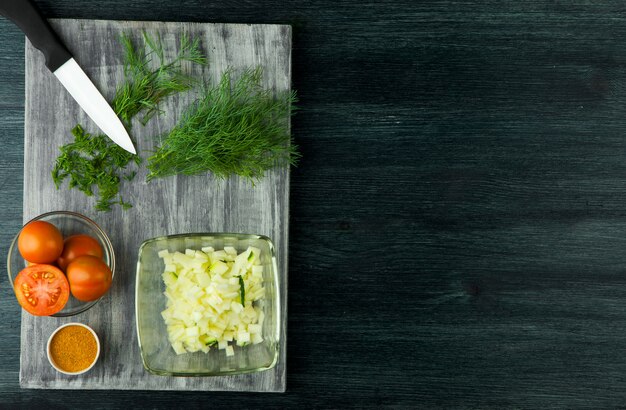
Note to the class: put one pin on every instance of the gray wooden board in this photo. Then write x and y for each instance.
(167, 206)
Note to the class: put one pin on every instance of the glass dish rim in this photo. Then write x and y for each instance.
(107, 242)
(277, 309)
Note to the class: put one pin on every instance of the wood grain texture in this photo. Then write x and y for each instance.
(457, 221)
(163, 207)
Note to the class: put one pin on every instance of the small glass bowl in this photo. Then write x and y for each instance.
(51, 360)
(157, 354)
(69, 223)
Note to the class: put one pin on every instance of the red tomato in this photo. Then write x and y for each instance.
(78, 245)
(40, 242)
(42, 290)
(89, 277)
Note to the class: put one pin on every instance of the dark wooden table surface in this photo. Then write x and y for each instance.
(458, 220)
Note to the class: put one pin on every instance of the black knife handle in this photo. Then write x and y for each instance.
(27, 17)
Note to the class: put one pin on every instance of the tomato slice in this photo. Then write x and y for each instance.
(42, 290)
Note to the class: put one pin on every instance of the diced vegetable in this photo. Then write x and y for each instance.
(213, 298)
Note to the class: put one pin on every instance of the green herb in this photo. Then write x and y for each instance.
(236, 127)
(145, 88)
(208, 341)
(242, 291)
(91, 161)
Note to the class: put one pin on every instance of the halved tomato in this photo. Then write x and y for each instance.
(42, 290)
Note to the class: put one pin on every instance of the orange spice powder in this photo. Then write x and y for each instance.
(73, 348)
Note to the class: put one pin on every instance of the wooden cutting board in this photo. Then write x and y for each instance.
(162, 207)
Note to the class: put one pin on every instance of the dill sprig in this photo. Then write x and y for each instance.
(235, 127)
(145, 87)
(93, 163)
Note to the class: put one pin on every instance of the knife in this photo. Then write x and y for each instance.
(59, 60)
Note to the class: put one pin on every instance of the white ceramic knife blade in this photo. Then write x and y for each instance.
(93, 103)
(59, 60)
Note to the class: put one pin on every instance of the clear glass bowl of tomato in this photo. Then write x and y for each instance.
(69, 223)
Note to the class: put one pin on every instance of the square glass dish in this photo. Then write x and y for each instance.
(157, 353)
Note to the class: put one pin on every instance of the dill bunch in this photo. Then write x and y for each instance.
(145, 87)
(92, 161)
(235, 127)
(95, 164)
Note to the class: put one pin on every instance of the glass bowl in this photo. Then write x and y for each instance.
(69, 223)
(157, 354)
